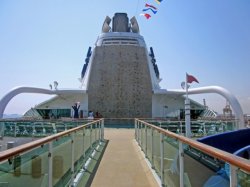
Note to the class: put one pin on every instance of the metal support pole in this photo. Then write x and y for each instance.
(136, 135)
(139, 132)
(91, 136)
(72, 157)
(162, 157)
(187, 118)
(181, 161)
(33, 130)
(96, 131)
(50, 168)
(100, 132)
(83, 136)
(146, 148)
(102, 129)
(233, 176)
(152, 147)
(141, 135)
(15, 130)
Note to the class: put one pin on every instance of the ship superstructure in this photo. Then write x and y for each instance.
(120, 78)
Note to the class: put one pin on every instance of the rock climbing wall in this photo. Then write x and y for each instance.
(120, 83)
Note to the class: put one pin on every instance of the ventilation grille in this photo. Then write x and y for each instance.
(120, 41)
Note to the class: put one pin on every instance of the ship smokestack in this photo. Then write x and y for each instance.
(120, 23)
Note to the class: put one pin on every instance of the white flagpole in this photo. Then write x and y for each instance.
(187, 112)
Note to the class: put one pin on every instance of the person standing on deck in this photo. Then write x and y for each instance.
(76, 110)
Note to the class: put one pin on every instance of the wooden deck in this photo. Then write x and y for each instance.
(122, 163)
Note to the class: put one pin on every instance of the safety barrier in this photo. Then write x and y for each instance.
(57, 160)
(181, 161)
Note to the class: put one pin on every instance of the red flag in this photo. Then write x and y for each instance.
(146, 15)
(151, 6)
(191, 78)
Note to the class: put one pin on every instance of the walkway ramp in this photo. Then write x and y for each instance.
(122, 163)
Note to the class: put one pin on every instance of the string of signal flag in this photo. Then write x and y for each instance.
(150, 9)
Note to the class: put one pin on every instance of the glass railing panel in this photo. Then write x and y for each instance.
(171, 162)
(27, 129)
(143, 137)
(231, 125)
(2, 129)
(62, 161)
(38, 129)
(49, 128)
(95, 132)
(243, 178)
(199, 127)
(169, 125)
(60, 127)
(215, 127)
(9, 129)
(92, 131)
(139, 134)
(87, 140)
(78, 150)
(18, 129)
(27, 168)
(156, 151)
(32, 167)
(69, 125)
(149, 144)
(99, 132)
(200, 169)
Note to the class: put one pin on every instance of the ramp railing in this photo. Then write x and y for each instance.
(181, 161)
(54, 160)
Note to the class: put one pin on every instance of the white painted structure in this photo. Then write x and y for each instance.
(213, 89)
(62, 94)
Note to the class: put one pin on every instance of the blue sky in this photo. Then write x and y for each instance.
(43, 41)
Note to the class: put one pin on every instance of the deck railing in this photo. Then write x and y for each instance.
(180, 161)
(199, 128)
(55, 160)
(36, 128)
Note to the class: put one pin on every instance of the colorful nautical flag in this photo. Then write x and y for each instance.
(191, 78)
(146, 9)
(146, 15)
(151, 6)
(158, 1)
